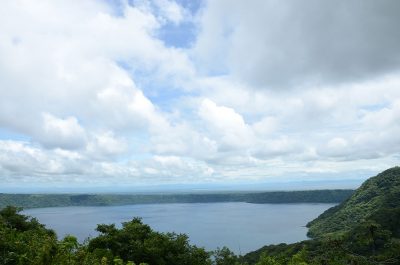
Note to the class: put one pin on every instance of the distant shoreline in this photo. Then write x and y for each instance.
(63, 200)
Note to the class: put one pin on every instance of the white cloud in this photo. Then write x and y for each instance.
(281, 146)
(90, 94)
(64, 133)
(337, 147)
(171, 10)
(265, 126)
(177, 169)
(228, 125)
(21, 160)
(286, 44)
(106, 145)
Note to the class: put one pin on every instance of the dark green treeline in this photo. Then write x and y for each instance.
(60, 200)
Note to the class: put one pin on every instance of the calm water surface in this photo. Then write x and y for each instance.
(242, 227)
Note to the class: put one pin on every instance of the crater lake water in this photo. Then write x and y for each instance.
(243, 227)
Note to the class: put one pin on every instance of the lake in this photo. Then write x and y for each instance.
(242, 227)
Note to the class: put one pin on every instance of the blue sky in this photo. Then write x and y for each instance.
(101, 94)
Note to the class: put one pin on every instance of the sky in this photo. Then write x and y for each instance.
(116, 93)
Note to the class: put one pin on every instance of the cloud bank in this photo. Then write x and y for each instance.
(102, 93)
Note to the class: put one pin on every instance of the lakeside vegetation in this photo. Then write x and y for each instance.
(377, 197)
(60, 200)
(362, 230)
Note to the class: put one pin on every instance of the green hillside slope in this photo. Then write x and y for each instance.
(377, 194)
(363, 230)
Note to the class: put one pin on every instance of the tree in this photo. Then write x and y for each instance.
(267, 260)
(224, 256)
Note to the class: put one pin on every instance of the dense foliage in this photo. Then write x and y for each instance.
(25, 241)
(364, 229)
(53, 200)
(366, 244)
(379, 193)
(372, 238)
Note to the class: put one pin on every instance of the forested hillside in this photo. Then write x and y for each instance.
(372, 238)
(59, 200)
(364, 229)
(377, 195)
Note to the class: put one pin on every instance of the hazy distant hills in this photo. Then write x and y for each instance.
(60, 200)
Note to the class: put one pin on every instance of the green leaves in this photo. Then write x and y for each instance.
(138, 243)
(267, 260)
(376, 194)
(363, 230)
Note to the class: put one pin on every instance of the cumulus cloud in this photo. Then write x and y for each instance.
(20, 160)
(183, 140)
(69, 59)
(228, 125)
(265, 126)
(105, 145)
(63, 133)
(90, 93)
(171, 10)
(186, 170)
(286, 44)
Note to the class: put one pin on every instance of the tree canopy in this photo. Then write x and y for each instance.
(363, 230)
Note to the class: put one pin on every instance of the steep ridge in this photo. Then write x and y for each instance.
(364, 229)
(377, 195)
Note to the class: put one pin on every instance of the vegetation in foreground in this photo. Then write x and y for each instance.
(372, 236)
